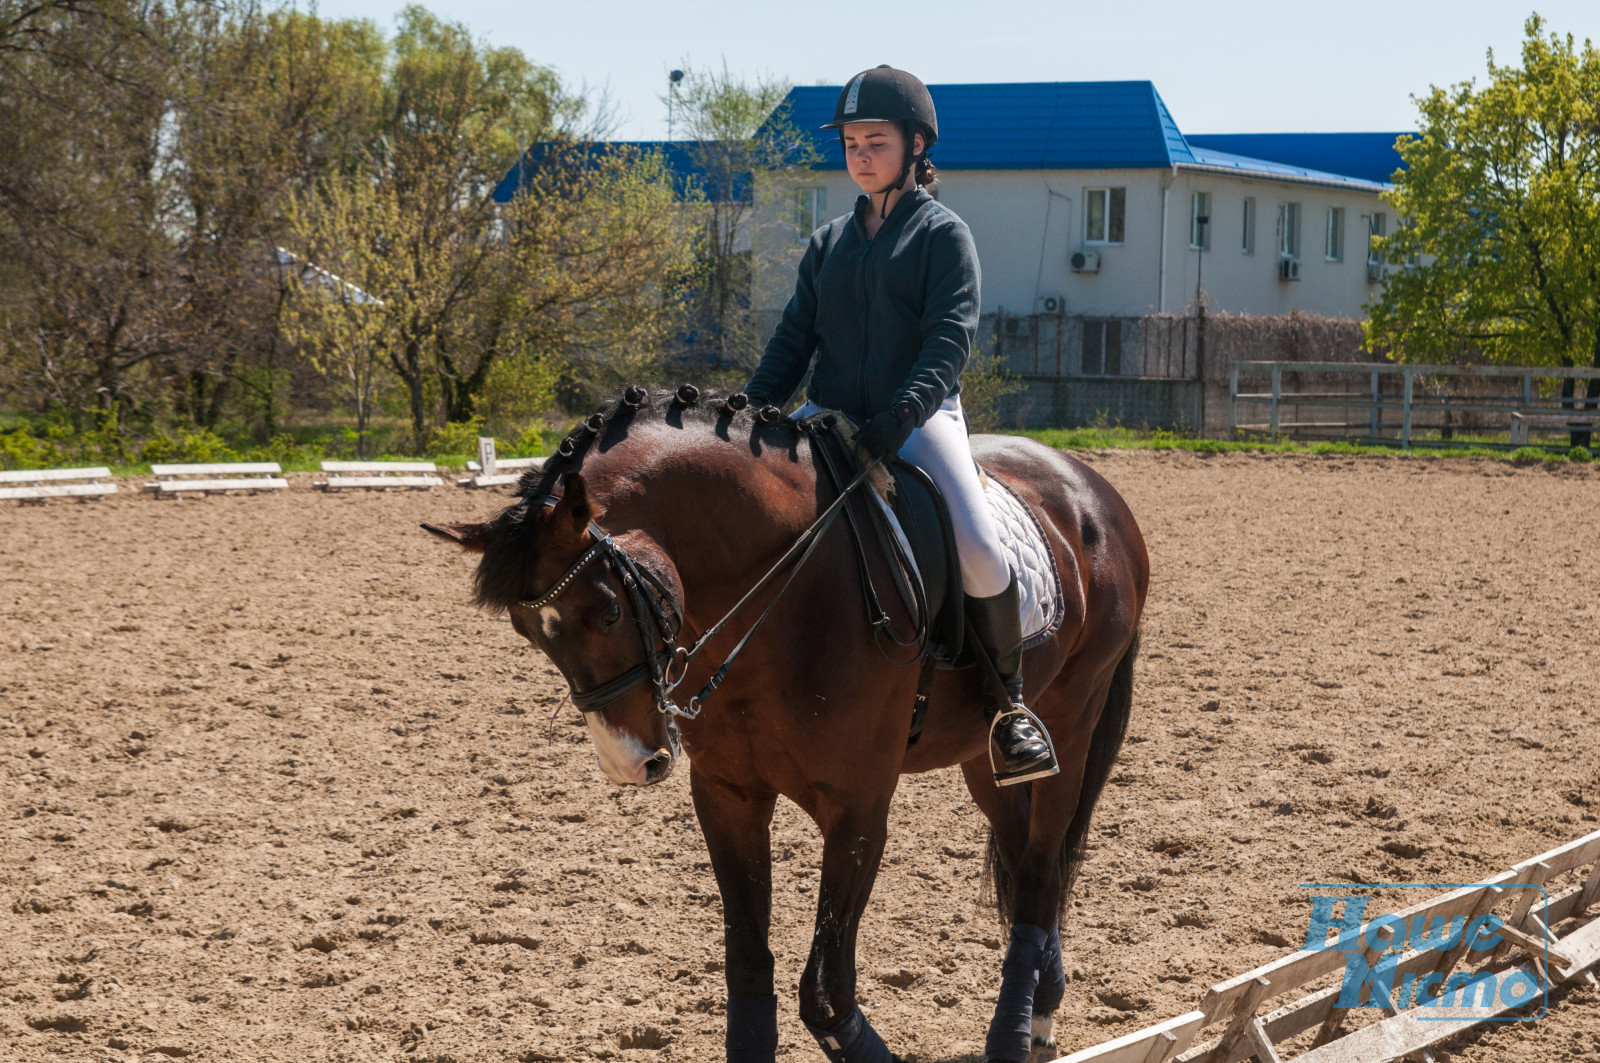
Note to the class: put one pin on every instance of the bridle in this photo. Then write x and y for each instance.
(662, 623)
(657, 622)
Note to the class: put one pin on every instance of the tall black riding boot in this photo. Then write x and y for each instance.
(1025, 754)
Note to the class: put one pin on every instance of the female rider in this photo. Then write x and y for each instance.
(887, 301)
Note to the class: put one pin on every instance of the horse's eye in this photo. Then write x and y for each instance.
(612, 615)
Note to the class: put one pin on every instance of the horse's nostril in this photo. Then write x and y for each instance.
(658, 767)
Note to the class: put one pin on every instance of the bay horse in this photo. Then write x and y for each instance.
(669, 506)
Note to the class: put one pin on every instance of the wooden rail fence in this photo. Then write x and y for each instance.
(1385, 403)
(1549, 890)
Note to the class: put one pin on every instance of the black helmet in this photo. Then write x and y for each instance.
(884, 94)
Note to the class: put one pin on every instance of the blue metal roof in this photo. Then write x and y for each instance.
(1069, 125)
(1369, 156)
(1055, 125)
(678, 157)
(1246, 166)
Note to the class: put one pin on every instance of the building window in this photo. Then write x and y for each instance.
(1333, 250)
(1376, 226)
(1413, 256)
(1102, 348)
(810, 211)
(1200, 221)
(1289, 230)
(1248, 243)
(1103, 214)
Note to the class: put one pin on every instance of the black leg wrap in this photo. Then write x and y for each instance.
(852, 1041)
(1011, 1030)
(752, 1029)
(1052, 979)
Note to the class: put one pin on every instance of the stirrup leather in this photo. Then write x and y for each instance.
(1043, 771)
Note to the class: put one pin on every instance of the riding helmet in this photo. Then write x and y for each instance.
(884, 94)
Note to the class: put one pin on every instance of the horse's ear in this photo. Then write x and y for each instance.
(473, 537)
(576, 509)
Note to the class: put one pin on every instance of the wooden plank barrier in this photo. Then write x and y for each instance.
(1530, 951)
(249, 476)
(378, 475)
(493, 471)
(36, 485)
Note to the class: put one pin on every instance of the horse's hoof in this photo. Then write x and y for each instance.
(1043, 1051)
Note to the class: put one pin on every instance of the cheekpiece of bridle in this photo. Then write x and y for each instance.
(657, 614)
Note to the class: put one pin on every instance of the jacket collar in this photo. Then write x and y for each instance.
(904, 207)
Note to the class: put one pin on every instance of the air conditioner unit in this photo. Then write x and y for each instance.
(1085, 262)
(1019, 326)
(1288, 269)
(1376, 274)
(1052, 305)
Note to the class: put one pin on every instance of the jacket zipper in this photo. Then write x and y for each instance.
(866, 325)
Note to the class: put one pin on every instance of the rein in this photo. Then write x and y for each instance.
(656, 625)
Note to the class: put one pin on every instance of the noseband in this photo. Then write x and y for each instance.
(657, 623)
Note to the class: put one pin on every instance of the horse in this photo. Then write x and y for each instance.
(669, 506)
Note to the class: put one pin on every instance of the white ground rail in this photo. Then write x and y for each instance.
(493, 471)
(249, 476)
(378, 475)
(36, 485)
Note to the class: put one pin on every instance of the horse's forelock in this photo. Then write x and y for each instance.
(507, 561)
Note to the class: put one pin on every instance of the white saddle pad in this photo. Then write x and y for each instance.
(1038, 582)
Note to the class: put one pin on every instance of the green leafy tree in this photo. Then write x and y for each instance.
(1501, 194)
(596, 255)
(748, 150)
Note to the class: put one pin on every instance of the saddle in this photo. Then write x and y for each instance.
(906, 518)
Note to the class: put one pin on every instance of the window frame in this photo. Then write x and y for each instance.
(1289, 230)
(817, 209)
(1113, 215)
(1248, 237)
(1377, 227)
(1333, 236)
(1199, 231)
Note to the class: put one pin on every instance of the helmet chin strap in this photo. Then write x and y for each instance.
(911, 160)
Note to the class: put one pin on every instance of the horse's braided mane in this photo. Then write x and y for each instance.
(508, 556)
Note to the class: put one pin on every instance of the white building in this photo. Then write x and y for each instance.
(1085, 199)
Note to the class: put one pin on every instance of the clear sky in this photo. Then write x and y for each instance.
(1247, 66)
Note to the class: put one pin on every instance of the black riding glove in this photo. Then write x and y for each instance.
(886, 433)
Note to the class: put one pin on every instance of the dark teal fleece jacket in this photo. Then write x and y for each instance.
(889, 319)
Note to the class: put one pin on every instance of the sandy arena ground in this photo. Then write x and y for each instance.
(272, 791)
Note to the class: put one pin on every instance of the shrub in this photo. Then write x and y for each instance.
(1580, 455)
(201, 446)
(1527, 455)
(457, 437)
(528, 444)
(21, 449)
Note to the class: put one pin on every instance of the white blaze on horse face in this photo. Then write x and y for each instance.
(623, 757)
(548, 619)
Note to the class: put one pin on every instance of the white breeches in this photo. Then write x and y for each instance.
(939, 448)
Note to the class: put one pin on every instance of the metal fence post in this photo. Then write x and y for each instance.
(1377, 392)
(1277, 391)
(1405, 419)
(1233, 401)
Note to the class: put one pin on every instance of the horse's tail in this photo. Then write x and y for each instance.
(1109, 732)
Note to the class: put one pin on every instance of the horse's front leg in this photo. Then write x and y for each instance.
(853, 840)
(737, 827)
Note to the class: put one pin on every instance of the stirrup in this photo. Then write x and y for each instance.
(1001, 778)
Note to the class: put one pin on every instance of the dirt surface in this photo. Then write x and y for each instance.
(273, 791)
